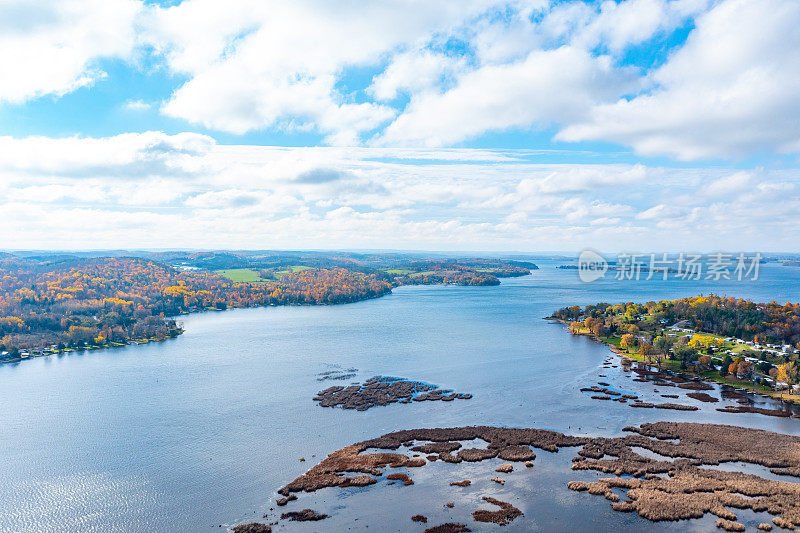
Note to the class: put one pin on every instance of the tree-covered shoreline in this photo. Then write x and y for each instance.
(727, 340)
(59, 302)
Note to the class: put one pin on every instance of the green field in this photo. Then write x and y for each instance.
(289, 270)
(398, 271)
(738, 348)
(241, 275)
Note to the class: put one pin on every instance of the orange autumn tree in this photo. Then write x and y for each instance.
(94, 301)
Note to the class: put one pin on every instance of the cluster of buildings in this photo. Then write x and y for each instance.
(780, 350)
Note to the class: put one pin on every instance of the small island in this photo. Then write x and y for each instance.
(383, 390)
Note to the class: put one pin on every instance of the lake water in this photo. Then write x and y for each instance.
(200, 431)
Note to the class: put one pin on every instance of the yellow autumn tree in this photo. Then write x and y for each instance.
(627, 341)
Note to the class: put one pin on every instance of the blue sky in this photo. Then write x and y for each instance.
(470, 124)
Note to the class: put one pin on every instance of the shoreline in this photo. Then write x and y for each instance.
(91, 348)
(748, 387)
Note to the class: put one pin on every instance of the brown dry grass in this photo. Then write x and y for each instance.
(676, 406)
(253, 527)
(401, 477)
(689, 491)
(751, 409)
(503, 516)
(306, 515)
(449, 527)
(728, 525)
(382, 391)
(703, 397)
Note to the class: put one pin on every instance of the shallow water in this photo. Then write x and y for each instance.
(203, 429)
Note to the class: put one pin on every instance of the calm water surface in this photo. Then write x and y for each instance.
(200, 431)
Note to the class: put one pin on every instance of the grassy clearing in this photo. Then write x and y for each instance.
(613, 340)
(739, 348)
(241, 275)
(291, 269)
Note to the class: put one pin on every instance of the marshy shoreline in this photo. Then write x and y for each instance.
(677, 477)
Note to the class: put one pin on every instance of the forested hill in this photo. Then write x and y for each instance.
(53, 302)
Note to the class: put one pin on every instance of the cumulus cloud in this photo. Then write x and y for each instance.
(588, 177)
(231, 198)
(466, 68)
(733, 89)
(536, 91)
(54, 46)
(619, 25)
(736, 182)
(276, 64)
(414, 72)
(129, 155)
(411, 72)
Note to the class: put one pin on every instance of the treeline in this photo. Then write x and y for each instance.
(453, 276)
(56, 301)
(368, 263)
(763, 323)
(97, 301)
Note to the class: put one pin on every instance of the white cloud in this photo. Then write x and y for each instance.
(736, 182)
(56, 193)
(733, 89)
(137, 105)
(535, 91)
(53, 46)
(129, 155)
(588, 177)
(85, 192)
(632, 22)
(414, 72)
(661, 212)
(255, 65)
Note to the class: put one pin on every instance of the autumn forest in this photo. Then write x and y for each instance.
(62, 302)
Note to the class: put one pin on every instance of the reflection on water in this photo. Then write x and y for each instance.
(201, 430)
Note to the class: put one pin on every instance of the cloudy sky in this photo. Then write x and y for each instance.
(401, 124)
